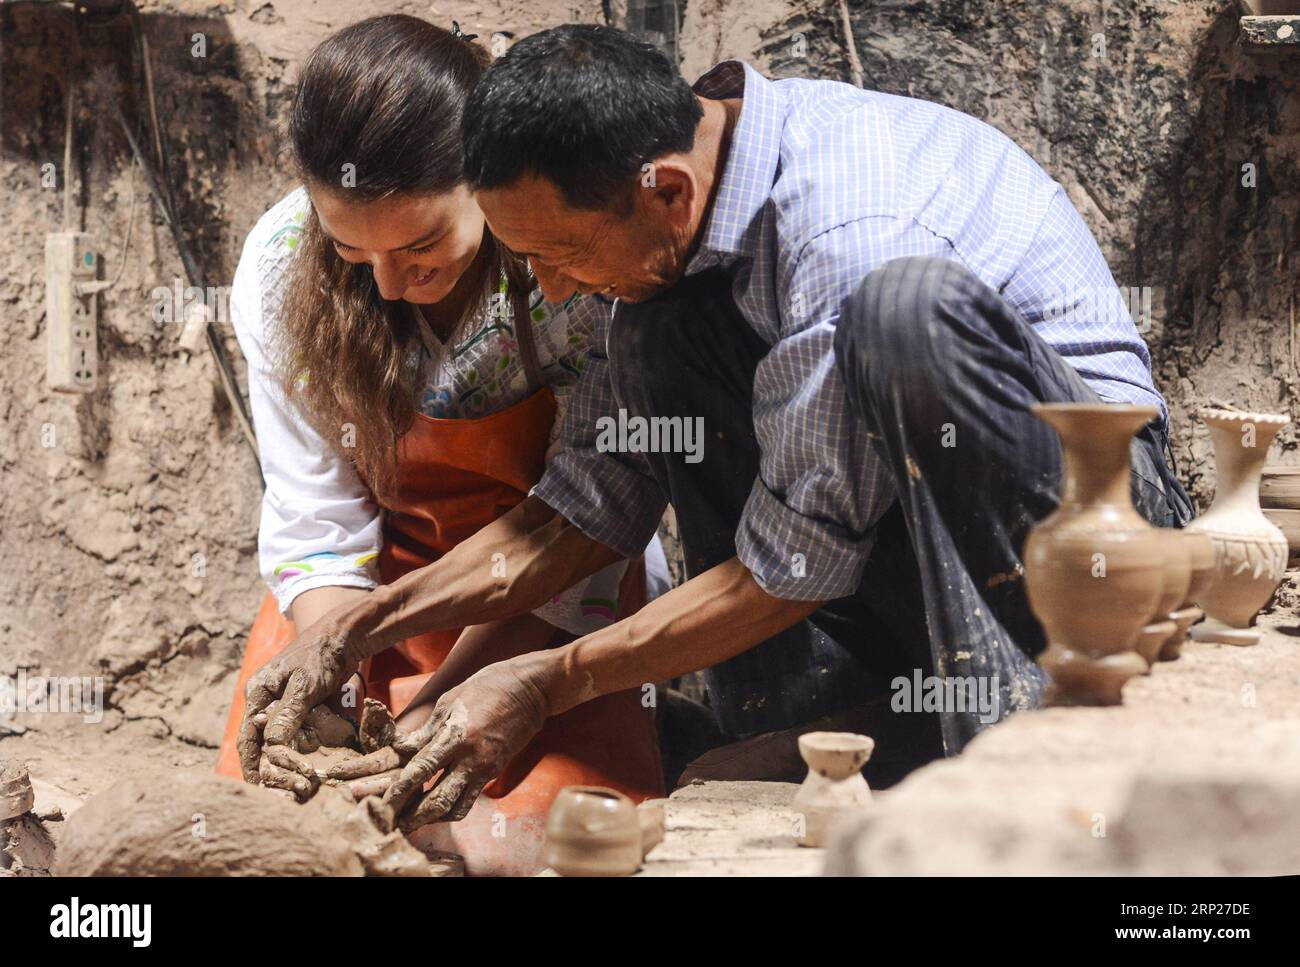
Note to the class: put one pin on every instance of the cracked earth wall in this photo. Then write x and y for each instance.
(128, 516)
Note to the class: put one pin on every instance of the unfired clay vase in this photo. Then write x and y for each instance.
(1201, 558)
(1094, 569)
(1176, 578)
(595, 831)
(834, 785)
(1250, 553)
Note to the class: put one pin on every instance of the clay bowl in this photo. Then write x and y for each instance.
(593, 831)
(835, 755)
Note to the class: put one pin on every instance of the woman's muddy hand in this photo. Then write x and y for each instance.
(287, 688)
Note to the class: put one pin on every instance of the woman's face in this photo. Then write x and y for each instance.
(417, 246)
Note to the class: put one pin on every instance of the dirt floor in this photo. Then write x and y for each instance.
(1196, 773)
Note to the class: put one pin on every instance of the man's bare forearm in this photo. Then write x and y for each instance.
(477, 647)
(710, 618)
(513, 565)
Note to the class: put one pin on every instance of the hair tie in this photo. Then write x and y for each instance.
(455, 32)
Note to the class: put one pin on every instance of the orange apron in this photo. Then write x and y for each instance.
(455, 476)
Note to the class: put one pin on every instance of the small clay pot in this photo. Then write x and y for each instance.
(1250, 552)
(1151, 640)
(1203, 561)
(1175, 580)
(595, 831)
(1094, 569)
(834, 785)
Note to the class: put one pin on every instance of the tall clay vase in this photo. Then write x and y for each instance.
(835, 784)
(1094, 569)
(1250, 552)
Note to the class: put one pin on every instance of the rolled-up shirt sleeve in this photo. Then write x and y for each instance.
(609, 496)
(807, 528)
(319, 525)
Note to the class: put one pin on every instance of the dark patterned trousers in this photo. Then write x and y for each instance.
(926, 350)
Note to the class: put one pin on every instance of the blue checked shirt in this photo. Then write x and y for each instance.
(823, 183)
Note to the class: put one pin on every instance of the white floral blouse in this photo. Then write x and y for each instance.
(320, 526)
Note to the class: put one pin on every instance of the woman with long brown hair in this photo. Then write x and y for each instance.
(404, 374)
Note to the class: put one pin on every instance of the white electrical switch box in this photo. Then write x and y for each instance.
(71, 313)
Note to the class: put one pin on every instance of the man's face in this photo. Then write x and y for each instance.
(628, 256)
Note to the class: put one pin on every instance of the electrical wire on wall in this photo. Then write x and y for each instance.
(158, 177)
(69, 144)
(69, 107)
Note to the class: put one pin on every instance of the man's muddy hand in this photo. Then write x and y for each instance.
(371, 773)
(475, 730)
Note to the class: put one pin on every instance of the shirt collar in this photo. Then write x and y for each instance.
(751, 165)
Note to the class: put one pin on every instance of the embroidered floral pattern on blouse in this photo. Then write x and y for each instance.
(289, 235)
(483, 372)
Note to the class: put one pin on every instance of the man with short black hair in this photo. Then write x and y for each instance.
(860, 295)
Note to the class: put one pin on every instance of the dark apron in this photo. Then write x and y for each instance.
(690, 353)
